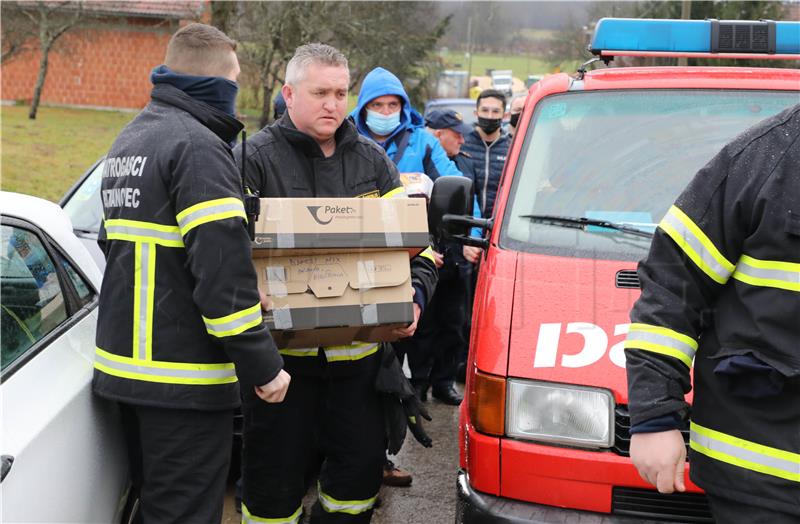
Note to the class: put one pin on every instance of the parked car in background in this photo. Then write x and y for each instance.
(63, 451)
(465, 106)
(84, 207)
(503, 81)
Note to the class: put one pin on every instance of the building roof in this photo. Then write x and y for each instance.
(176, 9)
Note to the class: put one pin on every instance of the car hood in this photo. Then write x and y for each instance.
(569, 321)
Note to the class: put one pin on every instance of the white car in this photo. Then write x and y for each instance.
(63, 452)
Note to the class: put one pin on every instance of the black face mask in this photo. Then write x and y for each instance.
(489, 125)
(514, 120)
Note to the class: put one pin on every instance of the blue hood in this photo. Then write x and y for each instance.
(380, 82)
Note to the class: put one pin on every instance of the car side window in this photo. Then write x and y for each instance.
(82, 289)
(33, 303)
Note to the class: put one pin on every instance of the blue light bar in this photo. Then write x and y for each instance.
(696, 36)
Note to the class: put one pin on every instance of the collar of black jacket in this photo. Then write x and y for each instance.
(345, 135)
(221, 124)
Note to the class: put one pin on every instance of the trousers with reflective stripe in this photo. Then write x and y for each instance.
(337, 417)
(743, 448)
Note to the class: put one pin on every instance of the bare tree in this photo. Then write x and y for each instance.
(18, 32)
(49, 21)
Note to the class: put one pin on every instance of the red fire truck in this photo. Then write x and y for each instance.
(598, 159)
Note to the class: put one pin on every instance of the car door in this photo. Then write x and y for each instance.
(62, 448)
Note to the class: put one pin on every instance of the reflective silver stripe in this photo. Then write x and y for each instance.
(768, 273)
(354, 352)
(143, 233)
(209, 211)
(249, 518)
(745, 457)
(707, 260)
(153, 371)
(660, 339)
(236, 325)
(352, 507)
(143, 310)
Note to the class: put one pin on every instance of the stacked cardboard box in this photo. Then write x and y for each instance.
(337, 269)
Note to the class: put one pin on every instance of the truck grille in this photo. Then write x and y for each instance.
(622, 432)
(628, 279)
(644, 503)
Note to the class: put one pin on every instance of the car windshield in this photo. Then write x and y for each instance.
(620, 157)
(84, 207)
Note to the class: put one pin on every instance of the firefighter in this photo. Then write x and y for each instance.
(721, 292)
(333, 405)
(180, 323)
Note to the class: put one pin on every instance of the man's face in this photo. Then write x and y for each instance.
(318, 103)
(450, 140)
(490, 107)
(385, 105)
(516, 105)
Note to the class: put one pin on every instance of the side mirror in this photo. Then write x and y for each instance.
(451, 195)
(450, 212)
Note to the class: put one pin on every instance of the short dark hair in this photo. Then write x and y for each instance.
(201, 50)
(491, 93)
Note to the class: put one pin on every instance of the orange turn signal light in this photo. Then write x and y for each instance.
(487, 403)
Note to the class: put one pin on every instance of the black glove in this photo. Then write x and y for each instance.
(414, 413)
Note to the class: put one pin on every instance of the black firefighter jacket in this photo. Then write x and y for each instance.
(179, 316)
(721, 293)
(284, 162)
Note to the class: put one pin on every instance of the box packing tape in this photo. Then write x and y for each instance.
(276, 281)
(391, 224)
(366, 274)
(285, 229)
(369, 314)
(282, 317)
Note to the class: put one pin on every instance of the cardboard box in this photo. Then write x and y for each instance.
(334, 299)
(292, 226)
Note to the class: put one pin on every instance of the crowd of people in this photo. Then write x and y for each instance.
(178, 371)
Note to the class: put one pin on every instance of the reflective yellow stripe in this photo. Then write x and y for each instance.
(248, 518)
(209, 211)
(234, 323)
(661, 340)
(137, 231)
(354, 351)
(428, 253)
(164, 372)
(768, 273)
(394, 193)
(352, 507)
(744, 453)
(300, 352)
(696, 244)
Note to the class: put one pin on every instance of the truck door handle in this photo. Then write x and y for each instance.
(8, 460)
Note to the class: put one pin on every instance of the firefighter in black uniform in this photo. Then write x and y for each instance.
(179, 318)
(721, 290)
(311, 151)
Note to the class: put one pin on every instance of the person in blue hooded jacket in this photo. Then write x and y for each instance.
(385, 115)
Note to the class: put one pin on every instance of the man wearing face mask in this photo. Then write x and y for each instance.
(179, 323)
(384, 114)
(488, 147)
(515, 111)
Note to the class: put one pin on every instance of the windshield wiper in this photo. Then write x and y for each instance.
(583, 222)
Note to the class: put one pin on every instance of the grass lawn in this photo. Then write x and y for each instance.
(44, 157)
(521, 65)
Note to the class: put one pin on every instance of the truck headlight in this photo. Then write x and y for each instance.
(560, 413)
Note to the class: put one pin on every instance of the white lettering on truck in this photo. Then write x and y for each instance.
(595, 345)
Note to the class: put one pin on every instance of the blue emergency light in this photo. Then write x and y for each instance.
(682, 37)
